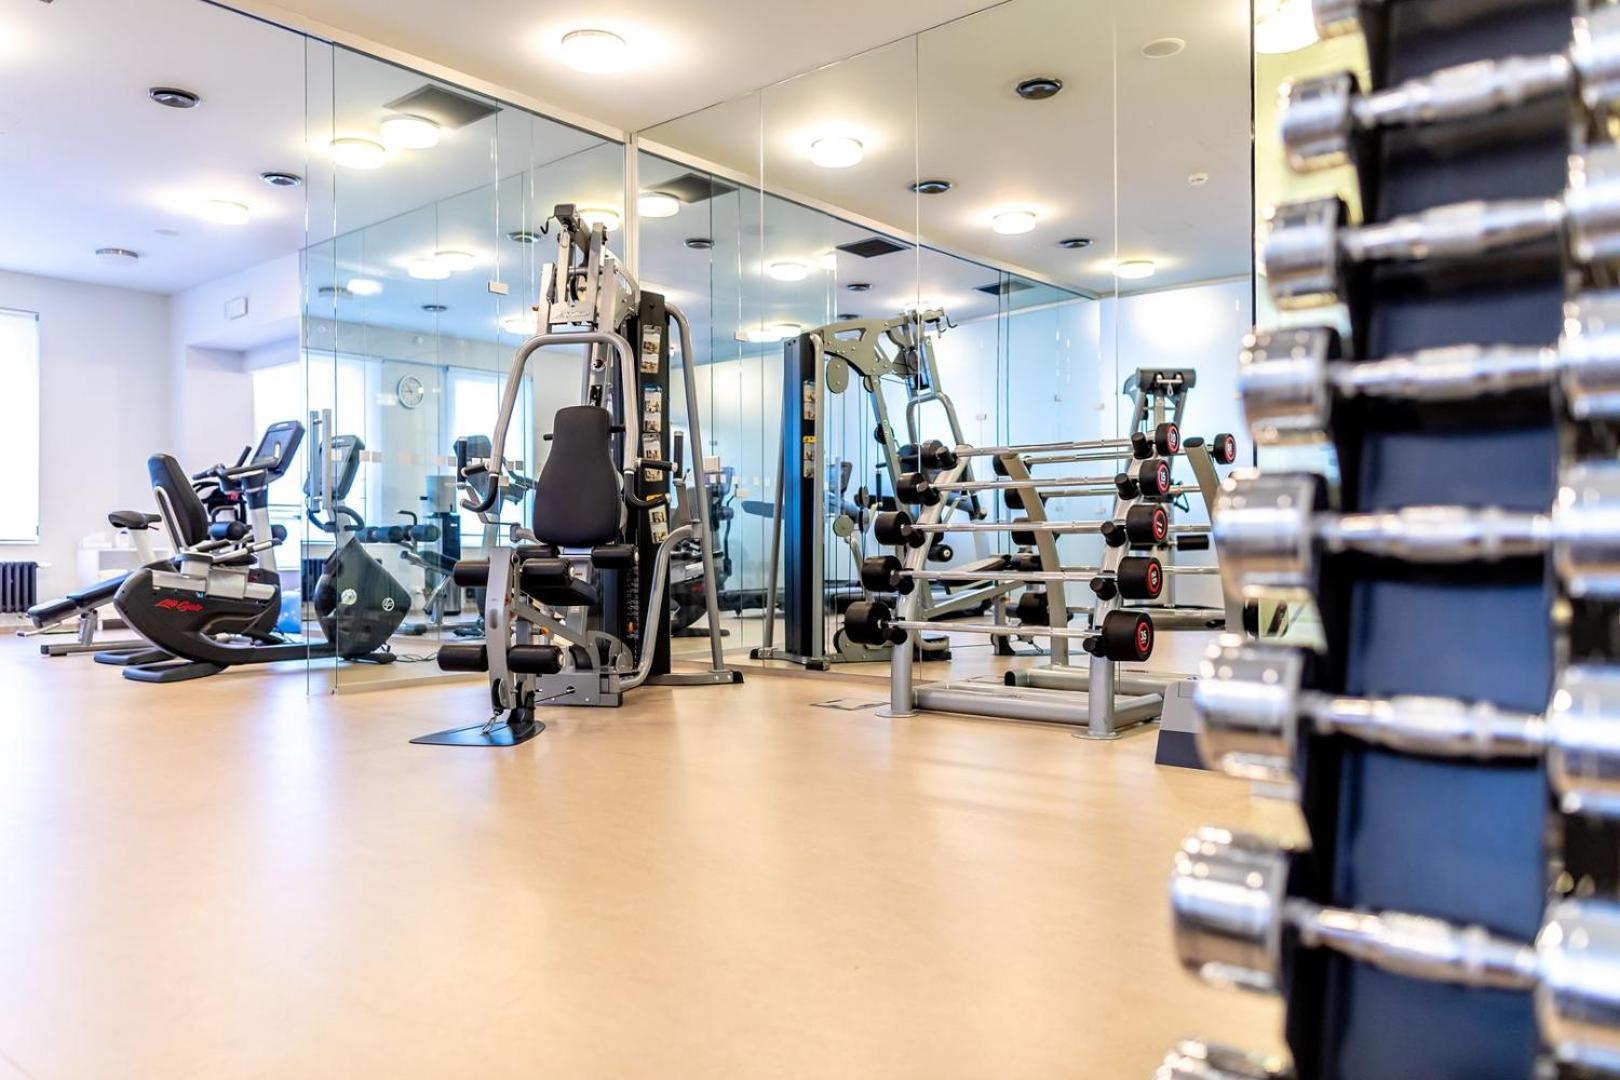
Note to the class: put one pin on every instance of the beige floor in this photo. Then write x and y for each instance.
(228, 879)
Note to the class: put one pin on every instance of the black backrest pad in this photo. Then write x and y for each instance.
(190, 519)
(576, 500)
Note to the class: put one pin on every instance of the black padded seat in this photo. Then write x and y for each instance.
(187, 514)
(549, 582)
(577, 503)
(132, 519)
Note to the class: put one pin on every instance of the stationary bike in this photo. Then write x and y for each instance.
(217, 602)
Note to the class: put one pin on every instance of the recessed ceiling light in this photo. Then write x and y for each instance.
(523, 236)
(932, 187)
(364, 286)
(828, 260)
(166, 232)
(332, 290)
(403, 132)
(174, 97)
(519, 324)
(1159, 48)
(655, 204)
(1039, 88)
(1198, 179)
(764, 335)
(608, 219)
(281, 179)
(859, 286)
(354, 153)
(594, 52)
(699, 243)
(1075, 243)
(837, 151)
(457, 262)
(427, 269)
(1134, 269)
(225, 212)
(846, 317)
(788, 271)
(116, 256)
(1283, 26)
(1014, 222)
(914, 306)
(435, 309)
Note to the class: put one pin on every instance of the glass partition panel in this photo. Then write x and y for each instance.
(427, 209)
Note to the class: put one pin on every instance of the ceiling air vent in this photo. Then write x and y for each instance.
(1006, 287)
(873, 247)
(443, 107)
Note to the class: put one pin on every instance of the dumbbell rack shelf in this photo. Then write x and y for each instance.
(1452, 911)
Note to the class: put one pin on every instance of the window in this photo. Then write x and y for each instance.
(19, 427)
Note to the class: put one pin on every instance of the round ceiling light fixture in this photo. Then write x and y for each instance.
(523, 236)
(1283, 26)
(1197, 179)
(1039, 88)
(837, 151)
(225, 212)
(1075, 243)
(435, 309)
(1134, 269)
(364, 286)
(332, 290)
(655, 204)
(1159, 48)
(846, 317)
(352, 153)
(519, 324)
(788, 271)
(699, 243)
(427, 270)
(859, 286)
(1014, 222)
(457, 262)
(594, 52)
(173, 97)
(608, 219)
(281, 179)
(117, 256)
(932, 187)
(405, 132)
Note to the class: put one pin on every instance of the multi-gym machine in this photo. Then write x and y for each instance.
(812, 517)
(577, 602)
(1453, 748)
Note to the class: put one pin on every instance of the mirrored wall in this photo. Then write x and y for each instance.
(427, 207)
(1069, 180)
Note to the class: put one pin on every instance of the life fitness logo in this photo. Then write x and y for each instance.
(180, 607)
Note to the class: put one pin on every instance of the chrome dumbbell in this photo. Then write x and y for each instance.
(1290, 379)
(1321, 117)
(1310, 246)
(1195, 1059)
(1254, 706)
(1229, 902)
(1272, 528)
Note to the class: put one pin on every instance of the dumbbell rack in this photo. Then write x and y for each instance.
(1452, 910)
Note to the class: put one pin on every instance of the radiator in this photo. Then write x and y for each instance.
(19, 586)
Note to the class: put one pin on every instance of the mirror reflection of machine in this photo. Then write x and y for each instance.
(687, 585)
(816, 515)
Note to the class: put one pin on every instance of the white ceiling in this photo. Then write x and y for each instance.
(689, 54)
(1107, 159)
(86, 161)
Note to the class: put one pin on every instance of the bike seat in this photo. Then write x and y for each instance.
(132, 519)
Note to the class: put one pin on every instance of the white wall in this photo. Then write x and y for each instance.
(104, 408)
